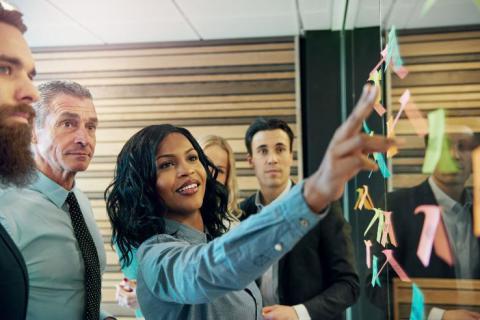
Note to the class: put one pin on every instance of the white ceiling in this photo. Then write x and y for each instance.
(96, 22)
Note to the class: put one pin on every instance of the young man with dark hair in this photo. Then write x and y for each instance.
(17, 92)
(317, 278)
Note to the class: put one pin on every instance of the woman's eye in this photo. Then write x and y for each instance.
(5, 70)
(165, 165)
(193, 158)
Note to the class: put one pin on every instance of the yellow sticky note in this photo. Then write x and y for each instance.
(393, 150)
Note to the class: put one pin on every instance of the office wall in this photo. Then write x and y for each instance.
(215, 87)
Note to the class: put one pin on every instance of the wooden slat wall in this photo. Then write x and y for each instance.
(217, 87)
(444, 73)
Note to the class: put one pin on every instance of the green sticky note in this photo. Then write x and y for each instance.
(436, 128)
(438, 152)
(446, 164)
(477, 2)
(426, 6)
(375, 274)
(418, 304)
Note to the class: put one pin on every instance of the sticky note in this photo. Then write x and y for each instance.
(368, 245)
(388, 235)
(415, 117)
(395, 265)
(477, 2)
(393, 52)
(382, 164)
(426, 6)
(403, 103)
(425, 245)
(393, 150)
(476, 190)
(379, 108)
(400, 71)
(381, 220)
(441, 244)
(438, 152)
(364, 200)
(417, 311)
(375, 272)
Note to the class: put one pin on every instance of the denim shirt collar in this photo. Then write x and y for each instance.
(184, 232)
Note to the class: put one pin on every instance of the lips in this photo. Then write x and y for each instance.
(189, 187)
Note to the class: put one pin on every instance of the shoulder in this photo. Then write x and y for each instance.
(248, 205)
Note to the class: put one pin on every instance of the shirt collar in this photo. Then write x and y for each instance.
(182, 231)
(54, 192)
(258, 196)
(444, 200)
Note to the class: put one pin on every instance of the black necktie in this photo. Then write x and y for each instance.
(93, 280)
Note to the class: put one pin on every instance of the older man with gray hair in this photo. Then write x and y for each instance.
(51, 220)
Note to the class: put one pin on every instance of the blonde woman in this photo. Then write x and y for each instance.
(219, 151)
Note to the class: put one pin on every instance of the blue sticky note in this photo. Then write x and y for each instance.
(418, 304)
(382, 164)
(375, 279)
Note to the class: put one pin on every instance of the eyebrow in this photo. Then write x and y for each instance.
(67, 115)
(172, 155)
(279, 144)
(18, 63)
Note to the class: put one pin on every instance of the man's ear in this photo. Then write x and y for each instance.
(249, 159)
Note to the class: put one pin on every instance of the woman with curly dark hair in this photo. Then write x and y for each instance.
(165, 201)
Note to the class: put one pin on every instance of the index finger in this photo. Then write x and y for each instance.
(362, 110)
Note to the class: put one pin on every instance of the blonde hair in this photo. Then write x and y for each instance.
(231, 183)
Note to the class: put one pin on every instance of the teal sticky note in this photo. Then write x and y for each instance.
(366, 128)
(418, 304)
(382, 165)
(375, 280)
(393, 51)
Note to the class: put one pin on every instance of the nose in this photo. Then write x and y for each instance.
(184, 169)
(272, 158)
(26, 91)
(81, 136)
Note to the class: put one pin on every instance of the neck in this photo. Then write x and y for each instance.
(454, 191)
(269, 194)
(193, 220)
(62, 178)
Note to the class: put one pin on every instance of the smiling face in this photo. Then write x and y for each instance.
(271, 158)
(219, 157)
(65, 143)
(181, 177)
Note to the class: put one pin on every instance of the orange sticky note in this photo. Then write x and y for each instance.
(388, 232)
(476, 191)
(393, 150)
(441, 244)
(364, 199)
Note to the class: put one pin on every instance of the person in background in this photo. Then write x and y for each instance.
(317, 278)
(17, 167)
(164, 200)
(450, 192)
(220, 153)
(51, 220)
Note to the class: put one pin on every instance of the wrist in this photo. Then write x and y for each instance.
(316, 200)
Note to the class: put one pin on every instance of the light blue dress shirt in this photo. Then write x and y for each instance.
(38, 221)
(181, 276)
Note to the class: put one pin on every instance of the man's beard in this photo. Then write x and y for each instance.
(17, 166)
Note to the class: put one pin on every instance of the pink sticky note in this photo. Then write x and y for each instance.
(395, 265)
(432, 217)
(379, 109)
(415, 117)
(383, 54)
(403, 102)
(401, 71)
(388, 231)
(441, 244)
(368, 245)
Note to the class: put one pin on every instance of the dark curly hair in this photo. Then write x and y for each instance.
(136, 210)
